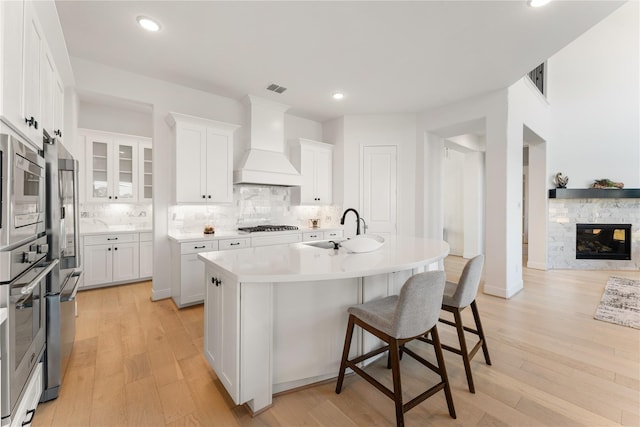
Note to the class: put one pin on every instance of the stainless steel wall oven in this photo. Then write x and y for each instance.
(22, 191)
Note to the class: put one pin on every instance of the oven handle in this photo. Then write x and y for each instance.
(26, 290)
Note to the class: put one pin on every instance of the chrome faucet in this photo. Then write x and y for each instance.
(357, 219)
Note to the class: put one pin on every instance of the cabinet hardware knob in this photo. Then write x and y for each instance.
(109, 249)
(209, 196)
(199, 247)
(203, 196)
(115, 249)
(112, 238)
(116, 197)
(109, 197)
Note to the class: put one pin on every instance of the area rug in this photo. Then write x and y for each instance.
(620, 302)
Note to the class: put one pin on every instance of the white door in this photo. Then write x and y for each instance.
(379, 189)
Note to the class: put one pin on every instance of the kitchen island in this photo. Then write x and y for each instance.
(275, 317)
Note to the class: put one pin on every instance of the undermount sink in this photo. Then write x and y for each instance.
(359, 244)
(321, 244)
(363, 243)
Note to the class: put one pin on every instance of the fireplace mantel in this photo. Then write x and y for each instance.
(594, 193)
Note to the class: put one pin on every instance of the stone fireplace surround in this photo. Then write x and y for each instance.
(564, 214)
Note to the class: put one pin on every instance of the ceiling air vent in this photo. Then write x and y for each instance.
(275, 88)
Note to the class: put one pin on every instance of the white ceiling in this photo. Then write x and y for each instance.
(387, 57)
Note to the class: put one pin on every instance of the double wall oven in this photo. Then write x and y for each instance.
(24, 267)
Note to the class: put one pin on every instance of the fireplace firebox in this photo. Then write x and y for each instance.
(603, 241)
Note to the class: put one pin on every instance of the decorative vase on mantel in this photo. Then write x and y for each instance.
(560, 180)
(607, 183)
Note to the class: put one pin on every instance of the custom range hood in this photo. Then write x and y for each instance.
(265, 161)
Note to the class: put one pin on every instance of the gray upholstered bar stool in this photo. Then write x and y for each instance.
(456, 298)
(397, 320)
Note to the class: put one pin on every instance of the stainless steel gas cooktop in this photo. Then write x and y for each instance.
(269, 227)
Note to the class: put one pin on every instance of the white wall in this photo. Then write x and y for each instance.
(166, 97)
(371, 130)
(594, 90)
(453, 200)
(115, 119)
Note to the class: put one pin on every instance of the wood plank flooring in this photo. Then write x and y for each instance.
(140, 363)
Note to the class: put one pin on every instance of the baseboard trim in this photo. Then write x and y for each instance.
(158, 294)
(502, 292)
(537, 265)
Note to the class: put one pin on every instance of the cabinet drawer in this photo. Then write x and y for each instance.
(328, 235)
(26, 408)
(195, 247)
(282, 239)
(312, 235)
(105, 239)
(226, 244)
(146, 237)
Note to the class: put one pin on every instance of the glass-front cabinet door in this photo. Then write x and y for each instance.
(146, 174)
(113, 171)
(99, 168)
(124, 188)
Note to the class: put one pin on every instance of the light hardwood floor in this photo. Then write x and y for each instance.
(140, 363)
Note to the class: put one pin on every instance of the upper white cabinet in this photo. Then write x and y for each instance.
(204, 159)
(314, 160)
(146, 172)
(116, 167)
(11, 44)
(32, 91)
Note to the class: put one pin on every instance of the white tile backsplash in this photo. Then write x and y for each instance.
(116, 214)
(252, 205)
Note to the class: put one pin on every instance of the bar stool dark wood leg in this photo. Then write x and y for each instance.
(463, 348)
(345, 353)
(476, 318)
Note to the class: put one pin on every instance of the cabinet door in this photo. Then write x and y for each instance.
(211, 321)
(191, 279)
(323, 176)
(98, 264)
(218, 167)
(126, 261)
(12, 28)
(125, 179)
(307, 165)
(32, 54)
(47, 79)
(146, 259)
(99, 168)
(190, 163)
(229, 323)
(145, 182)
(58, 108)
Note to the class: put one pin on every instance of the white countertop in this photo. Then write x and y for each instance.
(182, 237)
(110, 229)
(300, 262)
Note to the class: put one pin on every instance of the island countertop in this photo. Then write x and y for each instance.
(303, 262)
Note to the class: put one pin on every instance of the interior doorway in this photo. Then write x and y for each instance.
(463, 194)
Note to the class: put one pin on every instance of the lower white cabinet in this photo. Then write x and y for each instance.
(222, 330)
(188, 271)
(26, 409)
(113, 259)
(146, 255)
(187, 286)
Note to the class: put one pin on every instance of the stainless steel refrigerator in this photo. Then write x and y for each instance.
(63, 238)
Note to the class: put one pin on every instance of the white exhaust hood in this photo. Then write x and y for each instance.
(265, 161)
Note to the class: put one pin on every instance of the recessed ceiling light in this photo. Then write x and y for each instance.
(538, 3)
(148, 23)
(338, 95)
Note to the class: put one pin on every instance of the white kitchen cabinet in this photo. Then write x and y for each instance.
(114, 167)
(33, 52)
(146, 255)
(29, 78)
(333, 234)
(222, 330)
(314, 161)
(146, 172)
(204, 159)
(111, 258)
(188, 271)
(11, 66)
(310, 236)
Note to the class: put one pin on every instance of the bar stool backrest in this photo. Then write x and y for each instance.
(469, 281)
(418, 306)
